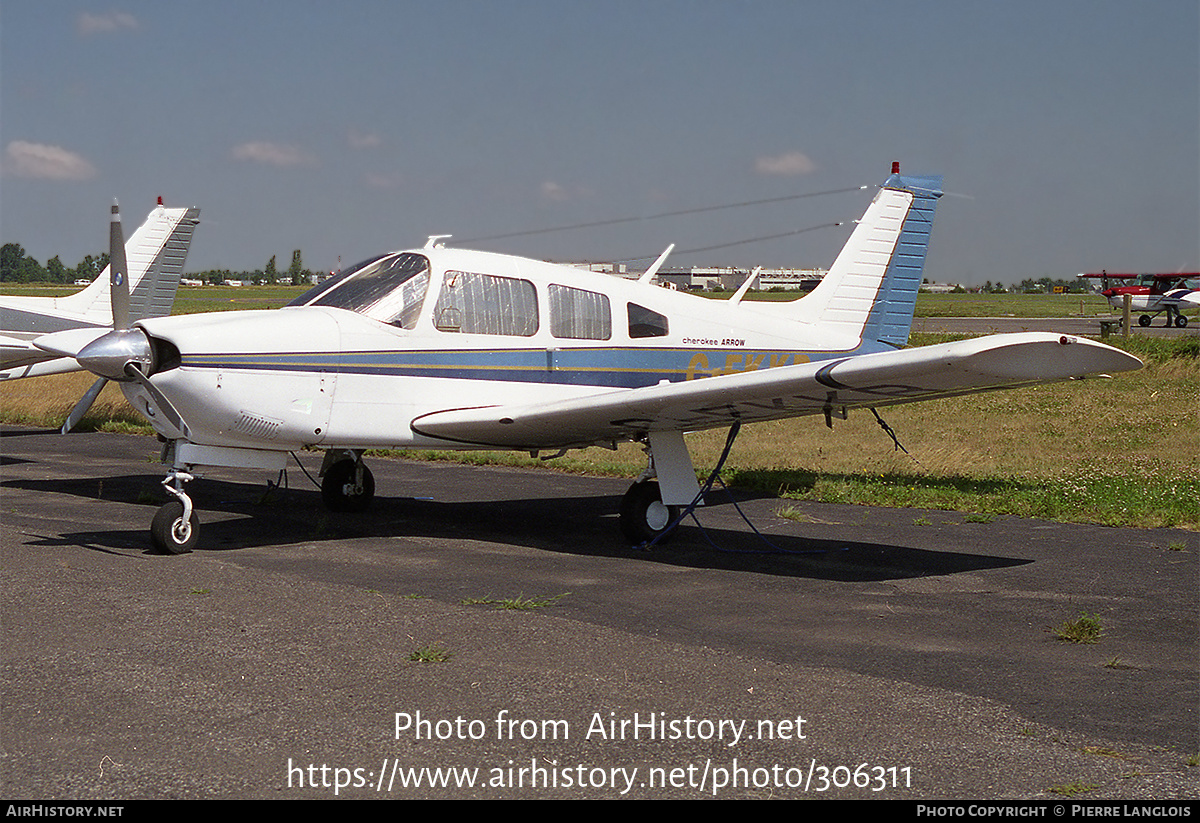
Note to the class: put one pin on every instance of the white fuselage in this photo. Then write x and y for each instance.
(321, 376)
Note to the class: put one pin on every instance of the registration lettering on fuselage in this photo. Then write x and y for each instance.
(701, 366)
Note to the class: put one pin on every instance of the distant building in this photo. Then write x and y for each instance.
(710, 278)
(705, 278)
(606, 268)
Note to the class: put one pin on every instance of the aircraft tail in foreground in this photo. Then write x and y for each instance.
(155, 253)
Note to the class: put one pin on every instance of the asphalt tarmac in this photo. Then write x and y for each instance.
(861, 653)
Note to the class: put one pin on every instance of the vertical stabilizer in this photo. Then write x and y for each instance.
(870, 292)
(155, 255)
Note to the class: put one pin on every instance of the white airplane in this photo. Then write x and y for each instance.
(447, 348)
(155, 253)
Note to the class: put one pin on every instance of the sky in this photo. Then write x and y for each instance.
(1067, 133)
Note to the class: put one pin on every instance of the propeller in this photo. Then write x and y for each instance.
(118, 292)
(122, 354)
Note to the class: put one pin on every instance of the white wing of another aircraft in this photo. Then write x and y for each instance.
(439, 347)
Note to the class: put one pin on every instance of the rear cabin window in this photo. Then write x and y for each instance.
(577, 314)
(646, 323)
(486, 304)
(389, 289)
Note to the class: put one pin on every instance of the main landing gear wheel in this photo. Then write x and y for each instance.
(1180, 321)
(643, 514)
(170, 533)
(343, 491)
(1144, 320)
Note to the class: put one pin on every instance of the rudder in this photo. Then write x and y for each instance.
(870, 291)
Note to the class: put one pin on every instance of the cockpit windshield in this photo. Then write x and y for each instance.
(389, 289)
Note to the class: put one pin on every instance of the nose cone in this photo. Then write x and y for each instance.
(107, 355)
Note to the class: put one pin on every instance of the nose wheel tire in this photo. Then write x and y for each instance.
(341, 489)
(170, 533)
(643, 514)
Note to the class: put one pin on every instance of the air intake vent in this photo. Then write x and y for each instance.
(255, 425)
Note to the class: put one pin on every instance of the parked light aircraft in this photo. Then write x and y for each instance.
(155, 253)
(1152, 295)
(447, 348)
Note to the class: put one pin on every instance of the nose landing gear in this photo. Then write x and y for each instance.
(175, 528)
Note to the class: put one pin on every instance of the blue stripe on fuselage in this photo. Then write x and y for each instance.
(600, 367)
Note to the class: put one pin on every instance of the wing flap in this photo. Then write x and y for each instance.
(889, 378)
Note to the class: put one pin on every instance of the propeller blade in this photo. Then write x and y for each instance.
(118, 268)
(85, 403)
(164, 405)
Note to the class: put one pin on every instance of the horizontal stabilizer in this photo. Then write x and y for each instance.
(68, 343)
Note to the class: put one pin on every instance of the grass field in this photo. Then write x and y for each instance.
(1124, 451)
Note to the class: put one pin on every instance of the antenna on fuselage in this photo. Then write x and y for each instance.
(434, 241)
(655, 266)
(745, 287)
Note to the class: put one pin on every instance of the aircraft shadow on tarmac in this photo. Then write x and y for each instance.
(240, 516)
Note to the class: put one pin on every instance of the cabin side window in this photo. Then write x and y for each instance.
(646, 323)
(577, 314)
(486, 304)
(389, 289)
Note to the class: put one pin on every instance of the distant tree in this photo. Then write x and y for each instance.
(296, 270)
(11, 256)
(89, 267)
(18, 267)
(271, 275)
(57, 272)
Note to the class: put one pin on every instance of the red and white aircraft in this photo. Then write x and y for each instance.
(1152, 294)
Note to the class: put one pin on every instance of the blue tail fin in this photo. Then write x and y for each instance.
(870, 292)
(891, 316)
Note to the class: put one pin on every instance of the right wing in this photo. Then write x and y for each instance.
(888, 378)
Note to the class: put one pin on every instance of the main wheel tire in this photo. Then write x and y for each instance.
(643, 514)
(338, 489)
(1180, 321)
(1144, 320)
(169, 532)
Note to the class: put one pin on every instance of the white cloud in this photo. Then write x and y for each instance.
(88, 24)
(273, 154)
(378, 180)
(359, 140)
(42, 162)
(789, 163)
(553, 191)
